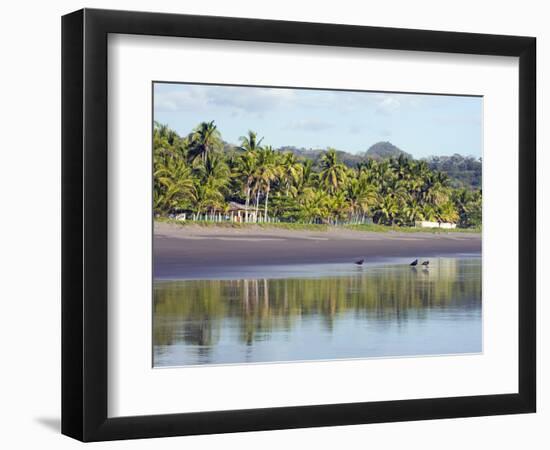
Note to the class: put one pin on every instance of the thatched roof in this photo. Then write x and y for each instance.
(234, 206)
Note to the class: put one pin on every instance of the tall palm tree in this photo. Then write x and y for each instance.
(245, 170)
(267, 171)
(204, 139)
(333, 174)
(290, 171)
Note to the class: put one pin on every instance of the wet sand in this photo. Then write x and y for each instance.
(196, 252)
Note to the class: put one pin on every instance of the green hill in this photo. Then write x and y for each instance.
(385, 150)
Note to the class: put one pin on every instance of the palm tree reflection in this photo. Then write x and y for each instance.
(193, 312)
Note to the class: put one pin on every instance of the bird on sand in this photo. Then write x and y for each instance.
(426, 263)
(414, 263)
(360, 262)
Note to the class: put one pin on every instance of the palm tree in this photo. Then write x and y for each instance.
(208, 196)
(307, 176)
(166, 143)
(214, 167)
(387, 209)
(290, 172)
(436, 188)
(412, 211)
(267, 171)
(361, 195)
(468, 205)
(401, 166)
(204, 139)
(333, 174)
(338, 207)
(211, 182)
(312, 205)
(174, 185)
(429, 212)
(245, 169)
(250, 143)
(448, 212)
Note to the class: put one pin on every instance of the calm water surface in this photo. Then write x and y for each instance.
(309, 312)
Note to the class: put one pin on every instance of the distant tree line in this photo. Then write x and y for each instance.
(200, 173)
(464, 171)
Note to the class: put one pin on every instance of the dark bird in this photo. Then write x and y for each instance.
(426, 263)
(414, 263)
(360, 262)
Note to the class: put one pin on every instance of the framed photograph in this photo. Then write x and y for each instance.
(273, 224)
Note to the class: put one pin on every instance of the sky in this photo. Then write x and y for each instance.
(420, 124)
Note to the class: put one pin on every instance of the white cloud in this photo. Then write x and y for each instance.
(178, 100)
(185, 97)
(388, 104)
(239, 99)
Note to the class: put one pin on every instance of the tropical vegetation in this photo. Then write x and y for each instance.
(201, 175)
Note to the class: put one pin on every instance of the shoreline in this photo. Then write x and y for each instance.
(322, 228)
(302, 270)
(196, 252)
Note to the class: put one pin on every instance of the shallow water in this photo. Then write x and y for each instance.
(319, 312)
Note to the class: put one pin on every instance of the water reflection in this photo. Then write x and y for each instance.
(391, 310)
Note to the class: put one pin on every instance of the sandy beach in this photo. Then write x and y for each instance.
(194, 251)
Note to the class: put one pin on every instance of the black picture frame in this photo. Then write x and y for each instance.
(84, 224)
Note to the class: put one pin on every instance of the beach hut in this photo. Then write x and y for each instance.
(238, 213)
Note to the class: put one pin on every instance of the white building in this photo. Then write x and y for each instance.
(427, 224)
